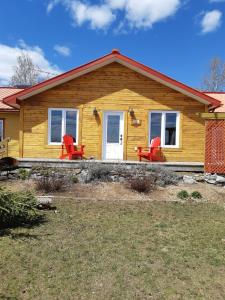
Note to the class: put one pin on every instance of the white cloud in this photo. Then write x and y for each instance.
(147, 12)
(51, 5)
(9, 56)
(99, 16)
(211, 21)
(62, 50)
(134, 13)
(116, 4)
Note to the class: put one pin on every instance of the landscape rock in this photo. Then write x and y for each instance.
(189, 179)
(44, 199)
(210, 178)
(200, 178)
(77, 171)
(44, 202)
(220, 179)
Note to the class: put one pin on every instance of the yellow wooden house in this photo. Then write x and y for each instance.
(111, 105)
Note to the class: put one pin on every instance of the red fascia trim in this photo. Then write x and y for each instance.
(213, 92)
(12, 99)
(171, 81)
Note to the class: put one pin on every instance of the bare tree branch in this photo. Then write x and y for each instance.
(25, 71)
(214, 81)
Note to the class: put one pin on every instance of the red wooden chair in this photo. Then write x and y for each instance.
(153, 152)
(72, 151)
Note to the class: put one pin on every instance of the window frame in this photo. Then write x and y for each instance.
(163, 127)
(3, 128)
(63, 131)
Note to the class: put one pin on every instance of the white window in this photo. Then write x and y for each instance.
(1, 130)
(166, 125)
(61, 122)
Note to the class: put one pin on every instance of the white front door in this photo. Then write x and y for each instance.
(113, 135)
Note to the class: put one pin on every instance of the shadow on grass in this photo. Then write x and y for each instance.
(6, 229)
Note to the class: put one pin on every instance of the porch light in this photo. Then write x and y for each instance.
(131, 112)
(95, 112)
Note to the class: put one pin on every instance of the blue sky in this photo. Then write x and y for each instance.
(175, 37)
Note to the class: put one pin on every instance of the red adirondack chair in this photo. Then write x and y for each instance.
(72, 151)
(153, 152)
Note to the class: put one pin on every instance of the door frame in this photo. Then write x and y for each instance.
(104, 132)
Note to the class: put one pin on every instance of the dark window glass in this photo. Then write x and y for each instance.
(56, 126)
(71, 123)
(1, 130)
(156, 119)
(170, 130)
(113, 129)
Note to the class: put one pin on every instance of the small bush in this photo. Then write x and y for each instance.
(17, 208)
(74, 179)
(23, 174)
(196, 195)
(183, 195)
(51, 183)
(142, 185)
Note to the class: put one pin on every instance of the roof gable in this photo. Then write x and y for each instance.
(115, 56)
(219, 96)
(5, 92)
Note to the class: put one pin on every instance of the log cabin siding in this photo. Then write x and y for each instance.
(117, 88)
(11, 130)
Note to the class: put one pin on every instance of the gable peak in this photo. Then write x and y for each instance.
(115, 51)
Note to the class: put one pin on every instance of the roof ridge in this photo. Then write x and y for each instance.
(120, 58)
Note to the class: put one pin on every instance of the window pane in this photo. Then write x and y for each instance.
(170, 130)
(156, 119)
(71, 123)
(1, 130)
(56, 126)
(113, 129)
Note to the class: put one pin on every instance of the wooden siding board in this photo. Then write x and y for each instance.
(113, 87)
(11, 130)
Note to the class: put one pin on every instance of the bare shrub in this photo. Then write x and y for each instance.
(142, 184)
(99, 172)
(50, 179)
(51, 184)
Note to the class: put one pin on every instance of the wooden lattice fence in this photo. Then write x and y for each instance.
(215, 146)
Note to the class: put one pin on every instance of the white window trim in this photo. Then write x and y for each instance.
(64, 110)
(162, 137)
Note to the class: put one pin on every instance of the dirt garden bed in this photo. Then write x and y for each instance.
(112, 191)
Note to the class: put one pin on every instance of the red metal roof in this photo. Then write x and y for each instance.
(5, 92)
(218, 96)
(114, 56)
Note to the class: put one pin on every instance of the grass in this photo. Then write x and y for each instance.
(117, 250)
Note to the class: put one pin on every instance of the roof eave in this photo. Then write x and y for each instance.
(15, 99)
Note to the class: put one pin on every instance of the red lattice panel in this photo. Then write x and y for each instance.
(215, 146)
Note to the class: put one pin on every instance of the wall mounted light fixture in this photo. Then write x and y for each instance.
(95, 112)
(131, 112)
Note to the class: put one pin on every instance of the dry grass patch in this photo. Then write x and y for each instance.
(117, 250)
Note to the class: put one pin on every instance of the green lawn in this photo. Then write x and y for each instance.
(117, 250)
